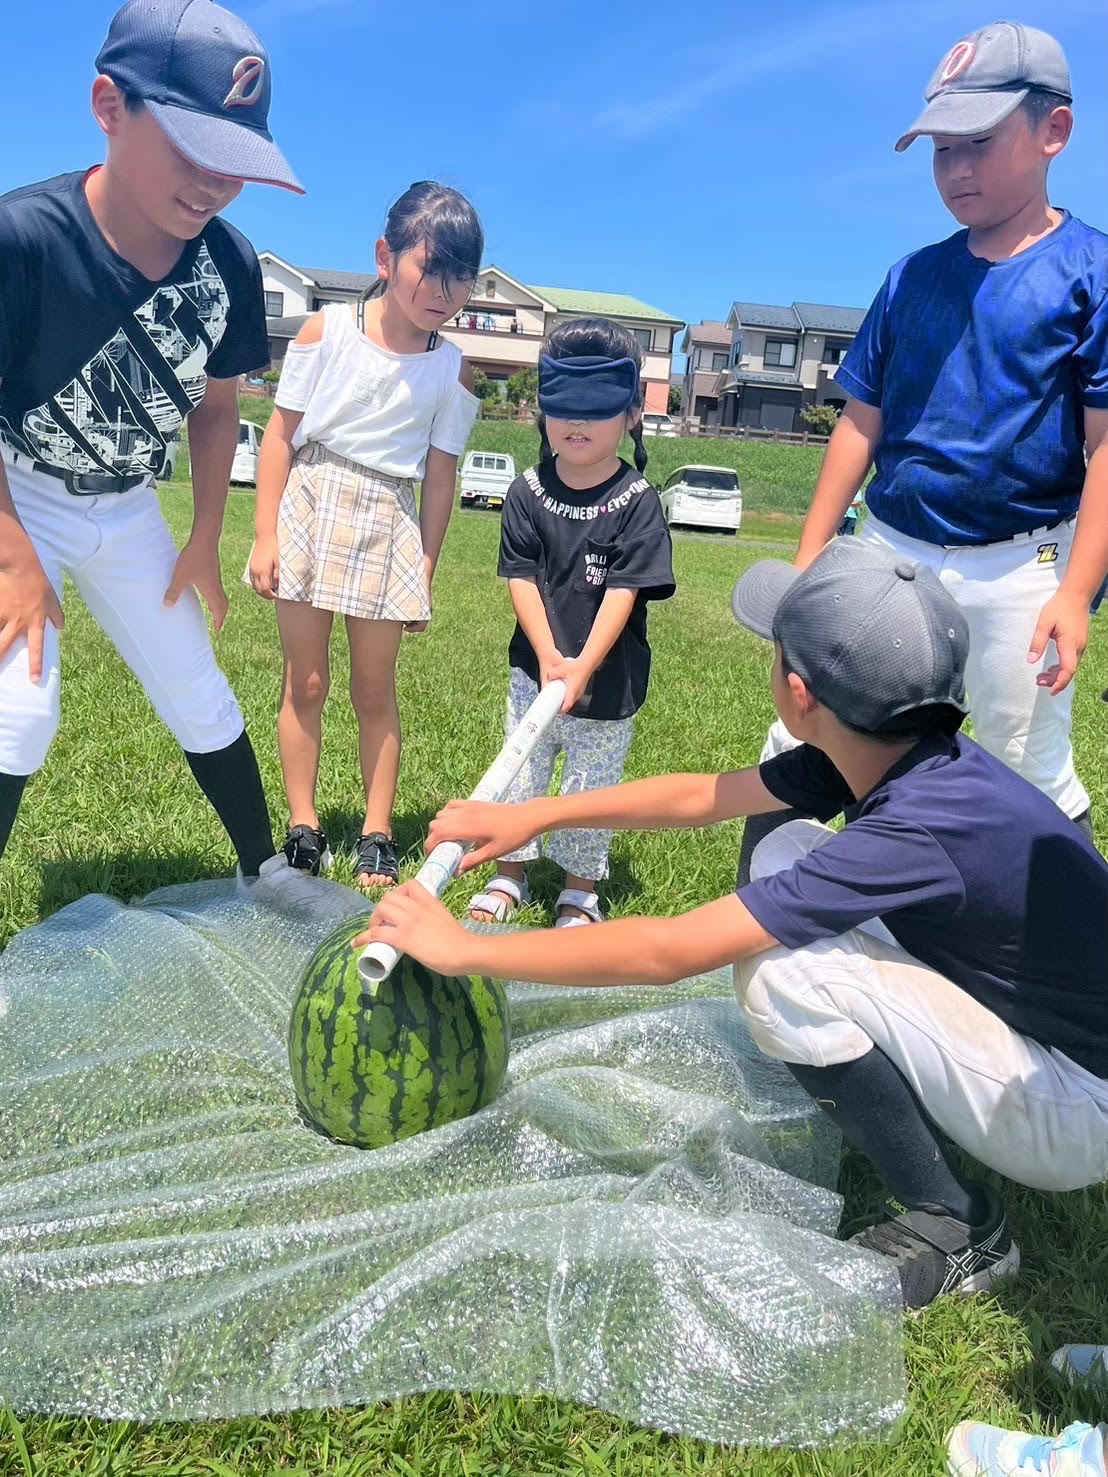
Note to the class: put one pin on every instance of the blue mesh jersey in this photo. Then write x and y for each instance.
(981, 371)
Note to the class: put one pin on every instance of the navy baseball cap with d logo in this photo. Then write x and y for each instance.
(205, 77)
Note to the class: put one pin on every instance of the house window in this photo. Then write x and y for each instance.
(737, 350)
(834, 350)
(275, 305)
(719, 361)
(644, 337)
(490, 287)
(780, 353)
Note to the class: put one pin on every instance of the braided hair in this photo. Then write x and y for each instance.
(604, 339)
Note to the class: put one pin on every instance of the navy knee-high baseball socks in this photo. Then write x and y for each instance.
(875, 1109)
(229, 778)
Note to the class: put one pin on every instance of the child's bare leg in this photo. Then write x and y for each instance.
(305, 634)
(516, 871)
(374, 646)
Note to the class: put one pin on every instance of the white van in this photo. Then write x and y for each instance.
(703, 497)
(244, 468)
(485, 478)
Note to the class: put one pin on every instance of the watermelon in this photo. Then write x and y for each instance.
(372, 1065)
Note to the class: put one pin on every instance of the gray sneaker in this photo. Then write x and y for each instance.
(936, 1253)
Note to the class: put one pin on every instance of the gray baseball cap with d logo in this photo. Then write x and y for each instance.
(986, 76)
(205, 79)
(872, 634)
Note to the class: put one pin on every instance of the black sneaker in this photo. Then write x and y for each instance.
(936, 1253)
(306, 849)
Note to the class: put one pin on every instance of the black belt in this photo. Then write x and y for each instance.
(80, 484)
(90, 484)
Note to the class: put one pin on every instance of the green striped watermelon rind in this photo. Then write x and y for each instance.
(370, 1069)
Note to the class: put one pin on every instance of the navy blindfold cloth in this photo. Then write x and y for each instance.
(587, 387)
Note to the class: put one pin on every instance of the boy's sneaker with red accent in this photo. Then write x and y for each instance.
(936, 1253)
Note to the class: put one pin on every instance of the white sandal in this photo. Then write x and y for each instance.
(501, 908)
(588, 902)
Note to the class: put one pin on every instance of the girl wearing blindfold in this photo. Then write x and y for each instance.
(584, 546)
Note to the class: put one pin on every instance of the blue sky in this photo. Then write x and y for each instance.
(686, 154)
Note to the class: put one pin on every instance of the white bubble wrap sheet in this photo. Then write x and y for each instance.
(641, 1221)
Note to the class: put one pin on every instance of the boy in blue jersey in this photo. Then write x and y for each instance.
(978, 383)
(932, 971)
(127, 304)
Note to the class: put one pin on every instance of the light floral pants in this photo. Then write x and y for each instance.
(595, 753)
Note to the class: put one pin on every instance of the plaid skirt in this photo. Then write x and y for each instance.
(348, 540)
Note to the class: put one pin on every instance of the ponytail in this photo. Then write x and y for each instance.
(546, 451)
(641, 457)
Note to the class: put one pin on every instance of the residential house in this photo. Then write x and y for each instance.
(783, 359)
(707, 350)
(501, 328)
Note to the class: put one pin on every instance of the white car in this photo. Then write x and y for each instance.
(485, 478)
(172, 454)
(703, 497)
(244, 468)
(654, 423)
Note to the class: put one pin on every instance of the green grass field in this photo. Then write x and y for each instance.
(776, 479)
(115, 811)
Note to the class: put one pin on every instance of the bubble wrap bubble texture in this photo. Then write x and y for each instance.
(640, 1222)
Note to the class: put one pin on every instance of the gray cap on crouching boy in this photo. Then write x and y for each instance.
(985, 76)
(871, 634)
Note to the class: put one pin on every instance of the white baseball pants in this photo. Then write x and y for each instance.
(1021, 1108)
(120, 555)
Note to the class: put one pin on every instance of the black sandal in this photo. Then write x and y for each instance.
(377, 857)
(306, 849)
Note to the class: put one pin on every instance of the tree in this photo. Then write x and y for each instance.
(523, 387)
(484, 388)
(675, 397)
(821, 418)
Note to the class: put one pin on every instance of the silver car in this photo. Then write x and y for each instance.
(703, 497)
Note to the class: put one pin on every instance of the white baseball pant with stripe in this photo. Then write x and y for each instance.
(1024, 1109)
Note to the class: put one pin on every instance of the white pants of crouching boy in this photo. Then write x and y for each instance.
(120, 554)
(1001, 589)
(1021, 1108)
(595, 750)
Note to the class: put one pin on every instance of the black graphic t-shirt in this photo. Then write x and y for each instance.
(99, 365)
(575, 545)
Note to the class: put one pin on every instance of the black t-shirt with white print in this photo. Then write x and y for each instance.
(98, 364)
(576, 545)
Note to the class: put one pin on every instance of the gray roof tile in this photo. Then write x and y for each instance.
(710, 331)
(823, 317)
(765, 315)
(332, 281)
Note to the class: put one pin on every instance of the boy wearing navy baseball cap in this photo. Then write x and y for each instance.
(932, 972)
(977, 387)
(126, 305)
